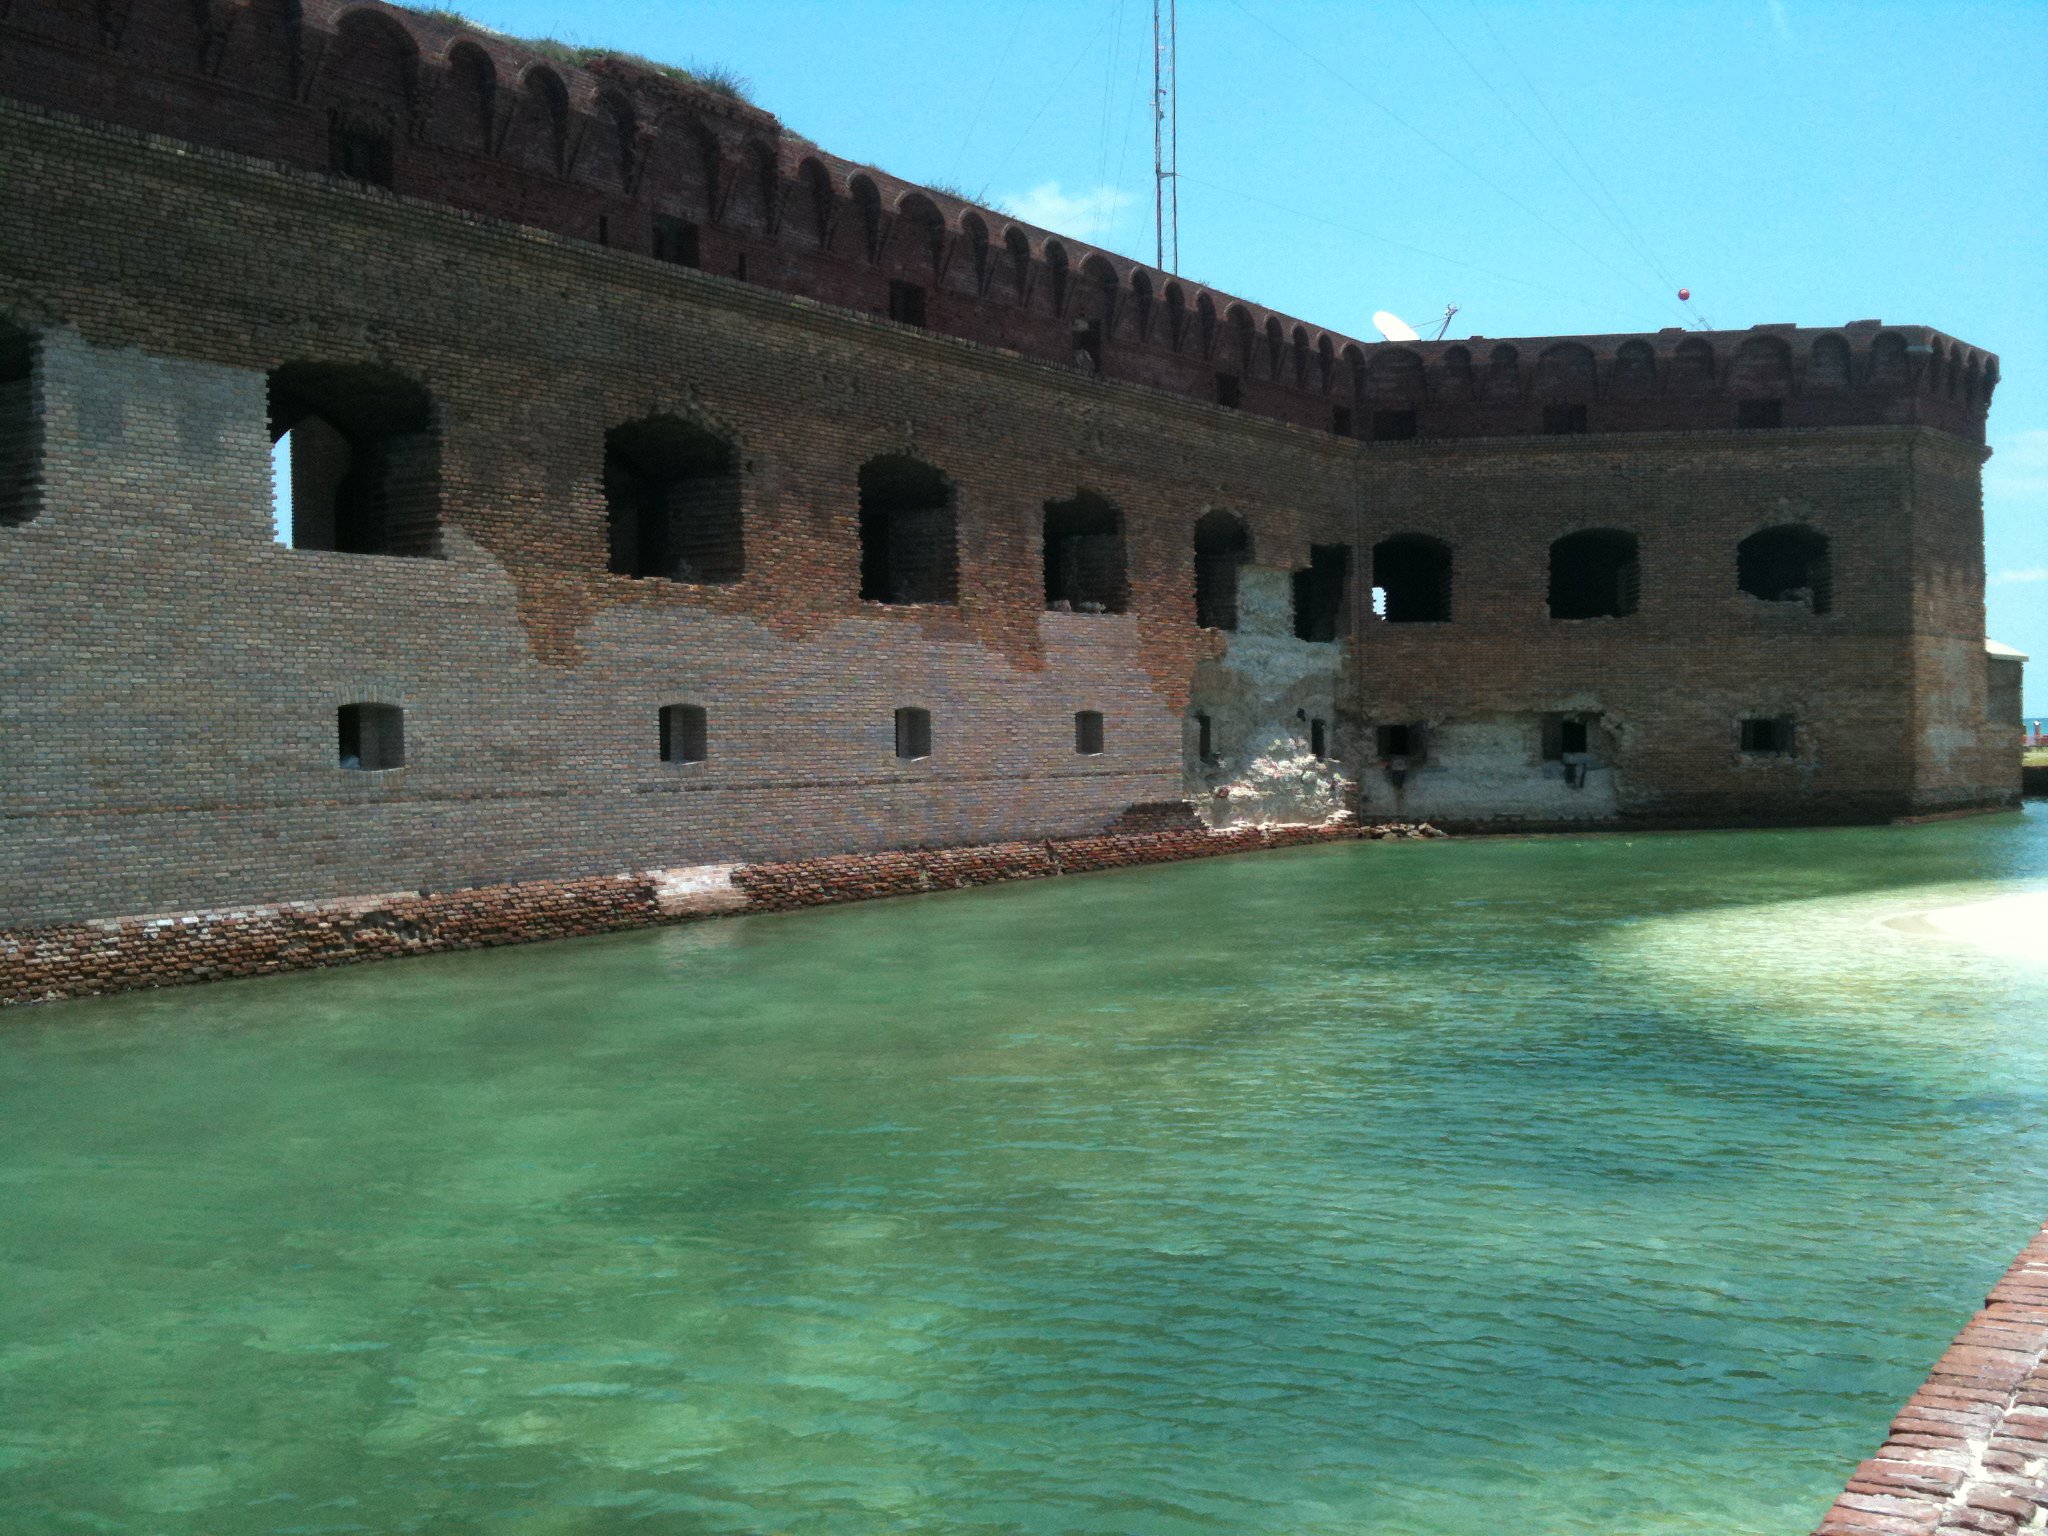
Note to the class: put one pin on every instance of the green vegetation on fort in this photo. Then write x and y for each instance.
(716, 78)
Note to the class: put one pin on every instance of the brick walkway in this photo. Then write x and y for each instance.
(1969, 1451)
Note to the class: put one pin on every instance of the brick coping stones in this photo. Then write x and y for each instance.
(1969, 1451)
(85, 959)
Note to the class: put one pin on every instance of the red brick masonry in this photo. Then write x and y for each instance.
(1969, 1451)
(123, 954)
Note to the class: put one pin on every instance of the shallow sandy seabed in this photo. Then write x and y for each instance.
(2015, 926)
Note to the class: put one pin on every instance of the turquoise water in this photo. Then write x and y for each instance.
(1610, 1186)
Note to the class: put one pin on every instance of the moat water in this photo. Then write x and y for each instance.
(1607, 1186)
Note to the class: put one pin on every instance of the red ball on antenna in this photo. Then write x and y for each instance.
(1685, 295)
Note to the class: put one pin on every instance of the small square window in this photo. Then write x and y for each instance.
(359, 153)
(1399, 741)
(372, 737)
(1394, 426)
(1340, 420)
(675, 240)
(1088, 732)
(1768, 738)
(913, 733)
(1759, 414)
(1229, 391)
(1564, 420)
(685, 734)
(906, 302)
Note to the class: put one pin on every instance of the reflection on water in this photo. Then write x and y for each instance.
(1609, 1186)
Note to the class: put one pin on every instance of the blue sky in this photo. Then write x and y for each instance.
(1550, 167)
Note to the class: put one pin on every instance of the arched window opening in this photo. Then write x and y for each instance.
(1889, 368)
(469, 103)
(1088, 732)
(926, 230)
(1504, 374)
(1095, 313)
(1320, 591)
(767, 188)
(1458, 382)
(1326, 365)
(618, 139)
(907, 538)
(1411, 578)
(1205, 325)
(817, 183)
(1276, 349)
(372, 70)
(1788, 564)
(1241, 334)
(1019, 249)
(867, 202)
(1594, 575)
(977, 249)
(1056, 273)
(1693, 369)
(673, 495)
(1222, 544)
(544, 120)
(1084, 556)
(1827, 365)
(1635, 370)
(18, 434)
(355, 459)
(1176, 316)
(1141, 305)
(1565, 371)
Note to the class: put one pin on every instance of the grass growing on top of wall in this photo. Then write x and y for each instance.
(717, 78)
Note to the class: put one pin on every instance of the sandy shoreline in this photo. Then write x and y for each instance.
(2014, 926)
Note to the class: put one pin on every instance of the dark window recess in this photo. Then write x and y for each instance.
(1205, 739)
(913, 733)
(1318, 739)
(1229, 391)
(604, 230)
(1788, 564)
(1564, 420)
(359, 463)
(1768, 738)
(372, 736)
(1594, 575)
(1340, 420)
(907, 548)
(906, 302)
(1320, 592)
(1084, 556)
(1088, 345)
(685, 734)
(1088, 732)
(675, 240)
(359, 151)
(672, 492)
(1393, 426)
(740, 267)
(1752, 414)
(1565, 735)
(1222, 544)
(1414, 573)
(17, 426)
(1399, 741)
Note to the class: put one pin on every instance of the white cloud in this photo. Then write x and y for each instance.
(1780, 22)
(2016, 578)
(1087, 214)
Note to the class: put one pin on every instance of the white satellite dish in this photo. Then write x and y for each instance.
(1393, 327)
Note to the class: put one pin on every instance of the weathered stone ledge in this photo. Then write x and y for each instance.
(125, 954)
(1969, 1451)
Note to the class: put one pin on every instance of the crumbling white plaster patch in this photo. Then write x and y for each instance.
(696, 890)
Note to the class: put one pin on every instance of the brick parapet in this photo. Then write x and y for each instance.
(630, 143)
(86, 959)
(1969, 1451)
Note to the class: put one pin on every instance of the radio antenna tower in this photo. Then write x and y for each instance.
(1166, 134)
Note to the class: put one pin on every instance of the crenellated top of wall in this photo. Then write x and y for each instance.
(655, 163)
